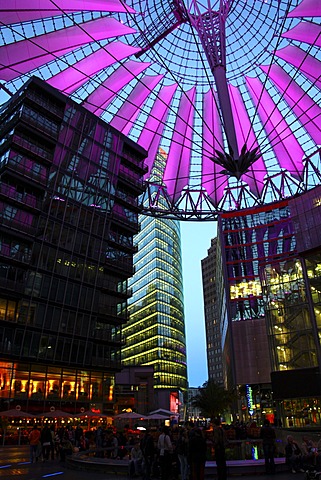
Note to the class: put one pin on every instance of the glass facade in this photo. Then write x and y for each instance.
(68, 213)
(212, 323)
(155, 332)
(290, 327)
(273, 268)
(253, 238)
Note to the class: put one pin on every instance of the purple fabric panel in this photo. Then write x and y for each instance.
(128, 112)
(245, 134)
(46, 8)
(307, 8)
(21, 57)
(101, 97)
(74, 77)
(286, 147)
(307, 111)
(310, 66)
(10, 72)
(176, 175)
(305, 32)
(213, 182)
(152, 131)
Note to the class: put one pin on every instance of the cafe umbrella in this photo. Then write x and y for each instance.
(14, 413)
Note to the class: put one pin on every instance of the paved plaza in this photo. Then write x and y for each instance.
(14, 463)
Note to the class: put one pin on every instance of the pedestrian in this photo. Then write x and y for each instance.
(268, 441)
(165, 449)
(197, 454)
(220, 442)
(148, 449)
(46, 439)
(182, 452)
(34, 439)
(52, 445)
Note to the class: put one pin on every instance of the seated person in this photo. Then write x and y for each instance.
(310, 452)
(65, 448)
(293, 455)
(136, 460)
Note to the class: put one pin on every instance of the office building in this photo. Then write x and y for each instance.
(68, 213)
(155, 332)
(269, 308)
(134, 390)
(212, 320)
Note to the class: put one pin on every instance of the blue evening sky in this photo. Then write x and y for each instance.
(196, 240)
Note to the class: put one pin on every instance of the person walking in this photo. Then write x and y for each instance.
(197, 454)
(46, 439)
(182, 452)
(34, 439)
(165, 449)
(148, 449)
(220, 442)
(268, 441)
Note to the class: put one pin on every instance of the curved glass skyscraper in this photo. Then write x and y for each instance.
(155, 332)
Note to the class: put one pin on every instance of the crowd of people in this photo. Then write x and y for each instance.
(165, 453)
(184, 454)
(49, 443)
(303, 457)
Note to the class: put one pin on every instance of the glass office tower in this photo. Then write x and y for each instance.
(68, 212)
(212, 320)
(155, 332)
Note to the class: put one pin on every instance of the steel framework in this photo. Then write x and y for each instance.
(228, 90)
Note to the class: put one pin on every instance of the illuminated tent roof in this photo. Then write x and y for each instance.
(229, 89)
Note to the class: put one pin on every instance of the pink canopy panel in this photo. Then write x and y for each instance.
(245, 136)
(22, 11)
(101, 97)
(305, 32)
(20, 57)
(151, 134)
(307, 8)
(286, 147)
(212, 180)
(176, 174)
(128, 112)
(309, 66)
(301, 103)
(161, 75)
(74, 77)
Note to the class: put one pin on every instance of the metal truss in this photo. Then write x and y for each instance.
(194, 203)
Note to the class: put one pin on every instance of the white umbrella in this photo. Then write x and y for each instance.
(163, 412)
(16, 413)
(89, 413)
(56, 414)
(157, 416)
(131, 416)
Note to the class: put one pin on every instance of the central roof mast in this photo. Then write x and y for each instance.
(210, 26)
